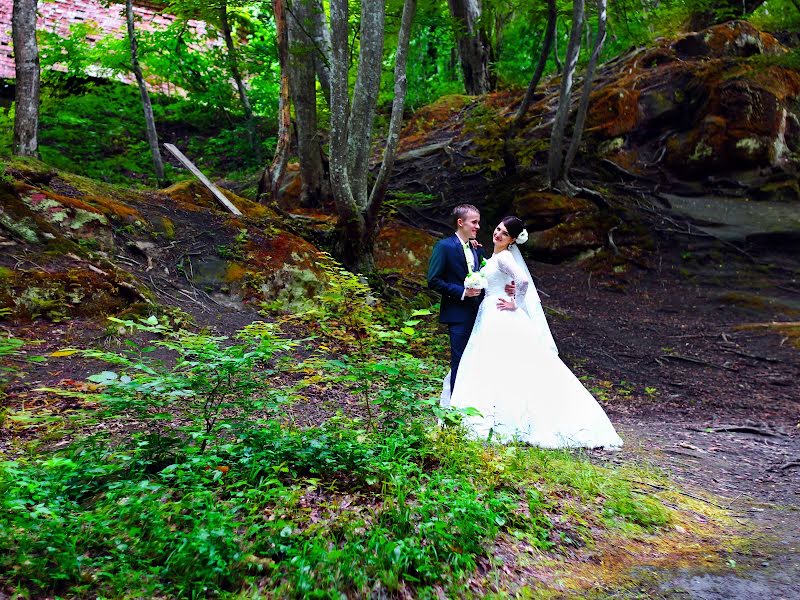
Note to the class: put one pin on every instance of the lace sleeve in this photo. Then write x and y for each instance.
(508, 266)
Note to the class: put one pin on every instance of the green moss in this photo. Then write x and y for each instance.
(168, 228)
(701, 151)
(751, 145)
(24, 229)
(83, 217)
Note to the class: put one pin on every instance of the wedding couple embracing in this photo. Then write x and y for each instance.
(504, 361)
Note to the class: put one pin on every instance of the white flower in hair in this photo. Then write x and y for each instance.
(522, 237)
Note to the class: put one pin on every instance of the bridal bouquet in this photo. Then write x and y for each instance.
(476, 280)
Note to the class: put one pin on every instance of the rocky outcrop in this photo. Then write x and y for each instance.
(72, 247)
(712, 114)
(715, 102)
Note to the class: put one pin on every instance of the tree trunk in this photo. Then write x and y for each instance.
(400, 87)
(26, 63)
(152, 135)
(351, 220)
(302, 87)
(555, 162)
(365, 97)
(556, 58)
(233, 65)
(474, 48)
(351, 127)
(547, 44)
(322, 41)
(583, 107)
(272, 178)
(724, 10)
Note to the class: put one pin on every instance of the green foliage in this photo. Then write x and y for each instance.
(207, 384)
(151, 516)
(431, 71)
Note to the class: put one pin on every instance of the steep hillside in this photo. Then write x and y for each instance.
(697, 135)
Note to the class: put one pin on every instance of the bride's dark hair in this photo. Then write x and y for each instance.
(514, 225)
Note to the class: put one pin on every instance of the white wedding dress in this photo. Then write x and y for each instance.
(511, 373)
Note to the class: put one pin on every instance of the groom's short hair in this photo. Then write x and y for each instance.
(461, 211)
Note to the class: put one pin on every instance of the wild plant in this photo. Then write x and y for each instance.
(205, 380)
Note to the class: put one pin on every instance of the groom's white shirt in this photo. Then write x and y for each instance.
(467, 252)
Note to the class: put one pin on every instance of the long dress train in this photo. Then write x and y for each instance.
(511, 373)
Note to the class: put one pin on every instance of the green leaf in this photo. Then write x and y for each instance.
(103, 377)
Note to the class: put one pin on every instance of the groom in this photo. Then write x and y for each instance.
(452, 259)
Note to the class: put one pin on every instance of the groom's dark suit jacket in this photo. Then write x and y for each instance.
(447, 270)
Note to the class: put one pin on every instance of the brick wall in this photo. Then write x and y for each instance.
(58, 15)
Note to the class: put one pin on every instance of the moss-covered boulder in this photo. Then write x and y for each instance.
(404, 250)
(542, 210)
(720, 101)
(79, 248)
(570, 238)
(194, 196)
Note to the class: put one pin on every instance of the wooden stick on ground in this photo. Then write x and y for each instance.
(206, 182)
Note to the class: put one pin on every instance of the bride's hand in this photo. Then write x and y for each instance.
(503, 304)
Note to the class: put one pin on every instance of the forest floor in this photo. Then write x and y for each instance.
(685, 359)
(721, 410)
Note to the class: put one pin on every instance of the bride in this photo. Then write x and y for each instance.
(510, 371)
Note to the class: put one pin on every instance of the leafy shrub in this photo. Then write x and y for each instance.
(210, 383)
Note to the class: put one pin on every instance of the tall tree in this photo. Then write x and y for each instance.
(474, 48)
(559, 163)
(303, 90)
(272, 178)
(351, 124)
(233, 65)
(147, 107)
(544, 52)
(320, 34)
(588, 79)
(555, 161)
(26, 64)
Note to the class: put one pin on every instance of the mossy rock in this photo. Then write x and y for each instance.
(403, 249)
(71, 291)
(540, 210)
(569, 239)
(194, 196)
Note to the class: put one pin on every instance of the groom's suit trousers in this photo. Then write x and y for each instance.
(459, 336)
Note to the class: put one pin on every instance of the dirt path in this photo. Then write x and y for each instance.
(699, 395)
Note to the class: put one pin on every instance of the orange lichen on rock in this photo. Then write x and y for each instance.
(440, 115)
(403, 249)
(282, 267)
(37, 197)
(504, 102)
(193, 195)
(615, 110)
(235, 272)
(740, 38)
(114, 208)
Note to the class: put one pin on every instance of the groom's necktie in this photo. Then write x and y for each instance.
(469, 256)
